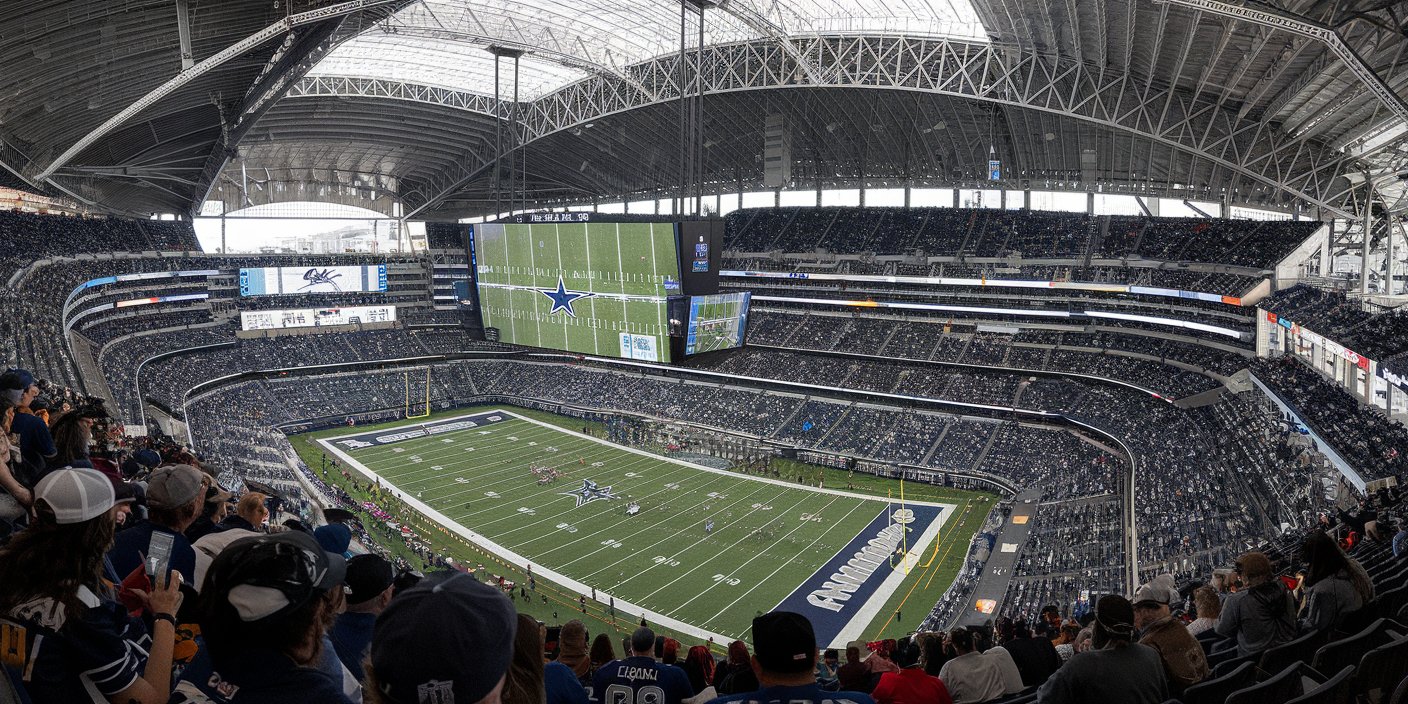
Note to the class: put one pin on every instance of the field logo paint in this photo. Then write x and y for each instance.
(590, 492)
(562, 298)
(849, 577)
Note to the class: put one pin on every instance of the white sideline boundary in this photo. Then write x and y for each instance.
(863, 618)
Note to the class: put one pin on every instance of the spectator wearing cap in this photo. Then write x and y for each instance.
(212, 512)
(447, 639)
(75, 643)
(263, 609)
(784, 656)
(250, 513)
(640, 671)
(910, 685)
(1185, 664)
(1116, 670)
(369, 584)
(175, 494)
(36, 444)
(969, 675)
(334, 537)
(15, 497)
(1263, 614)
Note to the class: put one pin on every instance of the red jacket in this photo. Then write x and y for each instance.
(911, 686)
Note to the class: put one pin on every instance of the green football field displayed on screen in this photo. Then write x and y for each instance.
(589, 288)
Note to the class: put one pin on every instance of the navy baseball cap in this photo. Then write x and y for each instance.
(448, 639)
(784, 642)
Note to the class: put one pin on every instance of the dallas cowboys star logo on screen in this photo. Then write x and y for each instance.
(590, 492)
(562, 298)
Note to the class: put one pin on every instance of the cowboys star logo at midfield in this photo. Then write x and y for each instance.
(589, 492)
(562, 298)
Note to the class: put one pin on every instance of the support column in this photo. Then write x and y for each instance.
(1327, 264)
(183, 32)
(1026, 199)
(1002, 199)
(907, 190)
(955, 198)
(1090, 202)
(222, 230)
(1368, 227)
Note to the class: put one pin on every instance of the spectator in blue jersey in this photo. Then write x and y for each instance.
(175, 497)
(67, 641)
(623, 680)
(368, 586)
(447, 639)
(784, 656)
(36, 444)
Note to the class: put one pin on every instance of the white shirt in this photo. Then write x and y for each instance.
(1011, 676)
(973, 677)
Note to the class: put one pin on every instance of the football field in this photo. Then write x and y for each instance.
(590, 288)
(698, 550)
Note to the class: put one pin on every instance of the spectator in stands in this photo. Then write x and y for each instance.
(72, 435)
(68, 637)
(1185, 664)
(175, 494)
(853, 675)
(879, 661)
(15, 497)
(969, 676)
(1400, 539)
(524, 683)
(1335, 585)
(826, 670)
(560, 683)
(910, 685)
(36, 444)
(1208, 608)
(1035, 658)
(572, 651)
(449, 638)
(603, 651)
(264, 608)
(1263, 614)
(250, 513)
(784, 657)
(334, 537)
(368, 591)
(212, 512)
(1011, 675)
(641, 671)
(734, 674)
(1116, 670)
(1066, 644)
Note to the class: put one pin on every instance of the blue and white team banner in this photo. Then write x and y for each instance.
(848, 592)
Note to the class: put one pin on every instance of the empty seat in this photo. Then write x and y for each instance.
(1336, 690)
(1285, 685)
(1215, 690)
(1301, 649)
(1381, 669)
(1338, 654)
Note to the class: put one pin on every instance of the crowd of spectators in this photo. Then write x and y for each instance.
(1031, 234)
(1371, 442)
(1378, 335)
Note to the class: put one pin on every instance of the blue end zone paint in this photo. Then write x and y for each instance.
(828, 623)
(420, 430)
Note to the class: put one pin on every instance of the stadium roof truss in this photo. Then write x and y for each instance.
(1284, 104)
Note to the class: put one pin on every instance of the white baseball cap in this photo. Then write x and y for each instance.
(76, 494)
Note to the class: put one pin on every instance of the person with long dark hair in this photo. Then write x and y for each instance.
(524, 683)
(699, 667)
(1335, 585)
(602, 652)
(78, 643)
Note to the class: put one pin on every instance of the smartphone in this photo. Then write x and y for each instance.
(159, 556)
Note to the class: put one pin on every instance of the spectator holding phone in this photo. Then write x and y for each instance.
(175, 497)
(52, 596)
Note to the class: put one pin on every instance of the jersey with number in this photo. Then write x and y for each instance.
(640, 680)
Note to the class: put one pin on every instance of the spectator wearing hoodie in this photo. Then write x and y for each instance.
(1263, 614)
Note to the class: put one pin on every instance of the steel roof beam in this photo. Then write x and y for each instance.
(207, 65)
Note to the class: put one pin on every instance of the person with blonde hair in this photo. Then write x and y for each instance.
(1208, 608)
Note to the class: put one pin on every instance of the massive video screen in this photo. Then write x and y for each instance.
(590, 288)
(717, 322)
(284, 280)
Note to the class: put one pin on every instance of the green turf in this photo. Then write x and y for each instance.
(670, 526)
(625, 266)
